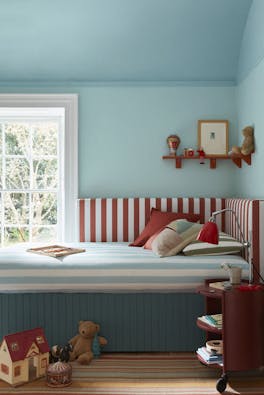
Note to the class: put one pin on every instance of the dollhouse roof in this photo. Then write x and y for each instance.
(19, 343)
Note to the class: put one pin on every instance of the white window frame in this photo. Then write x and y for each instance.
(70, 104)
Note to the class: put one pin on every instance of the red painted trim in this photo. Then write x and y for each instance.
(223, 215)
(136, 217)
(241, 219)
(255, 238)
(93, 220)
(114, 220)
(158, 203)
(103, 220)
(125, 219)
(169, 204)
(202, 210)
(180, 205)
(245, 228)
(82, 222)
(212, 205)
(191, 205)
(147, 210)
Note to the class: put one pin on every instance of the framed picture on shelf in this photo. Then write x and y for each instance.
(213, 137)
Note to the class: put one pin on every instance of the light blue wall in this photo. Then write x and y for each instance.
(122, 137)
(126, 137)
(250, 99)
(252, 45)
(120, 40)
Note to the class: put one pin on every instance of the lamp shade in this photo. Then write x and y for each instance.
(209, 233)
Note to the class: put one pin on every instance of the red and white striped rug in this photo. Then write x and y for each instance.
(144, 374)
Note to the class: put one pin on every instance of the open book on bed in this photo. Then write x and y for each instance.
(55, 250)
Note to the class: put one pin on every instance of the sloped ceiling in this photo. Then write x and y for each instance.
(120, 40)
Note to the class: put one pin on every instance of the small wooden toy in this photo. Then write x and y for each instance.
(24, 356)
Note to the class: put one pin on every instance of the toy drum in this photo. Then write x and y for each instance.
(59, 374)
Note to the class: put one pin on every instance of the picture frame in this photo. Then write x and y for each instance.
(213, 137)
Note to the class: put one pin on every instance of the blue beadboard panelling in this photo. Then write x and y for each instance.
(130, 322)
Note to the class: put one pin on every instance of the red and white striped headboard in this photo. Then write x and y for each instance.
(250, 214)
(122, 219)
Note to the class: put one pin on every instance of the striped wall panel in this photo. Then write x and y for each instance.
(261, 237)
(250, 215)
(130, 322)
(123, 219)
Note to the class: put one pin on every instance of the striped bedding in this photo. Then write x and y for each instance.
(108, 267)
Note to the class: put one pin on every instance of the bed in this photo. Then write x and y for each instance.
(142, 302)
(109, 267)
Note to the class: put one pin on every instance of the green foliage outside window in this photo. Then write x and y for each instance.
(28, 181)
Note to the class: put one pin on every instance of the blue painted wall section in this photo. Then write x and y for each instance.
(250, 99)
(130, 322)
(120, 40)
(136, 86)
(122, 137)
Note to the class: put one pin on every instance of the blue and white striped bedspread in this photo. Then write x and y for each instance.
(108, 267)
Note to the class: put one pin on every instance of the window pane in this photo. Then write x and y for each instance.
(0, 139)
(17, 173)
(45, 136)
(1, 159)
(31, 180)
(44, 208)
(45, 174)
(16, 208)
(13, 235)
(17, 138)
(42, 234)
(1, 173)
(1, 233)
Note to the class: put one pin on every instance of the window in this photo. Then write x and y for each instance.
(37, 185)
(17, 371)
(4, 368)
(44, 362)
(40, 339)
(14, 346)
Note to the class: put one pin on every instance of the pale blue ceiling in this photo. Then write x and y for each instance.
(121, 40)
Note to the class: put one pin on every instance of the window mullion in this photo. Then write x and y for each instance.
(31, 183)
(3, 184)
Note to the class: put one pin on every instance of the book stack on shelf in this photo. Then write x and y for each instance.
(210, 357)
(214, 320)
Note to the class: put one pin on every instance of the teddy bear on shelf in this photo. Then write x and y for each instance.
(248, 144)
(83, 342)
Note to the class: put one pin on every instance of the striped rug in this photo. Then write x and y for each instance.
(144, 374)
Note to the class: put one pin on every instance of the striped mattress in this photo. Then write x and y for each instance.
(108, 267)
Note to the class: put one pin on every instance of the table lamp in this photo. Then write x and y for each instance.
(210, 234)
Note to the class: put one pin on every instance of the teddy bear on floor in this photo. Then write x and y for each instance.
(248, 143)
(83, 342)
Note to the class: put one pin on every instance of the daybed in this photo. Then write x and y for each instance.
(142, 302)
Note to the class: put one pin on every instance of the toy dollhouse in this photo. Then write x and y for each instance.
(24, 356)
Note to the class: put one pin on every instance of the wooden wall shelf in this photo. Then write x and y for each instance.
(237, 159)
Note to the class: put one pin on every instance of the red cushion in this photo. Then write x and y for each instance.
(157, 220)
